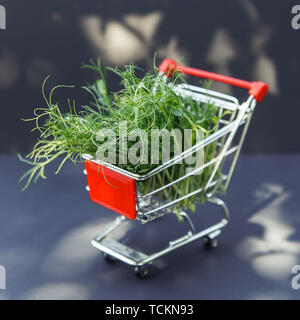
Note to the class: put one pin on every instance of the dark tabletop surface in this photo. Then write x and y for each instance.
(45, 235)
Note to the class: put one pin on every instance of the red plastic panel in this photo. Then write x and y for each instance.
(111, 189)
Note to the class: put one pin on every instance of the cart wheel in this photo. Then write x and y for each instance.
(108, 257)
(210, 243)
(141, 272)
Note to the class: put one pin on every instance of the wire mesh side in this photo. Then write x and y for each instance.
(173, 186)
(180, 187)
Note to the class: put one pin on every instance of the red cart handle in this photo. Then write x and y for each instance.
(257, 89)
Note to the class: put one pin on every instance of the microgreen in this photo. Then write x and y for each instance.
(144, 103)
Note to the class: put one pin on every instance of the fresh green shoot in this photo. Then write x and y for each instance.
(144, 103)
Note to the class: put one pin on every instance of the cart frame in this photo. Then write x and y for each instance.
(239, 120)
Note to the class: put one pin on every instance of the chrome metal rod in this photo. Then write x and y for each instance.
(252, 106)
(137, 258)
(186, 240)
(188, 222)
(244, 107)
(116, 224)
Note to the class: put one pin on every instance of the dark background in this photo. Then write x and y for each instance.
(45, 232)
(249, 39)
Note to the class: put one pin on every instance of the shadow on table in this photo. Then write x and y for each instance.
(45, 241)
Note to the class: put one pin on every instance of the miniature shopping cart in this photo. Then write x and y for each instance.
(119, 190)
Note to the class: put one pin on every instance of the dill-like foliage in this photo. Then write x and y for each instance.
(144, 103)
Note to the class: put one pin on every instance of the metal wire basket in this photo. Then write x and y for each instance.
(169, 184)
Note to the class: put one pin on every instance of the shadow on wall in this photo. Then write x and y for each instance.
(235, 38)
